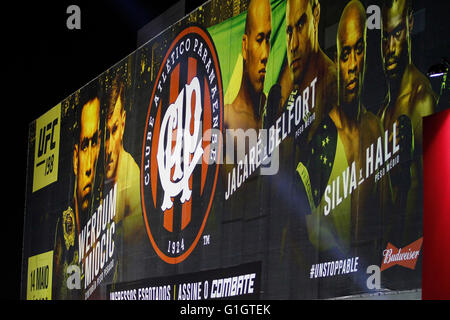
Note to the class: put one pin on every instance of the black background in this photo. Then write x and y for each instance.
(46, 62)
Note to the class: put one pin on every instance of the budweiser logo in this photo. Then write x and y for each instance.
(405, 257)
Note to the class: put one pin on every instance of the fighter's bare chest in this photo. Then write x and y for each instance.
(244, 121)
(351, 142)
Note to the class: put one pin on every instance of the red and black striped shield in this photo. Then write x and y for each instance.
(182, 145)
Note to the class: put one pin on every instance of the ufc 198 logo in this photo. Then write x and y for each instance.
(47, 148)
(181, 145)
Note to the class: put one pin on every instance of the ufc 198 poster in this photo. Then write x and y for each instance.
(254, 149)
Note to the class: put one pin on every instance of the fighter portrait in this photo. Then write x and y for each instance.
(245, 112)
(409, 98)
(308, 157)
(120, 167)
(313, 76)
(86, 151)
(306, 58)
(122, 172)
(357, 129)
(244, 117)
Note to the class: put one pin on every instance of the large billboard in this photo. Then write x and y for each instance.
(254, 149)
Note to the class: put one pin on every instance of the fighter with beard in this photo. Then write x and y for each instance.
(305, 159)
(122, 171)
(85, 155)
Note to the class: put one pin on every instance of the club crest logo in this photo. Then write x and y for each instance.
(181, 145)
